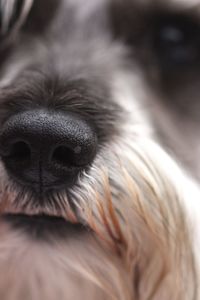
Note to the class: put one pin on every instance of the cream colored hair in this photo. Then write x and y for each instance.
(142, 244)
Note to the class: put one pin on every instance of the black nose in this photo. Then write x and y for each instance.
(46, 149)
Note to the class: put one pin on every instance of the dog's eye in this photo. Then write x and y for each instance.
(176, 41)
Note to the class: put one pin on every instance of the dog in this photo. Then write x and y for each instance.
(99, 150)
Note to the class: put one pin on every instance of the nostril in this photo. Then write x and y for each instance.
(20, 151)
(64, 156)
(46, 148)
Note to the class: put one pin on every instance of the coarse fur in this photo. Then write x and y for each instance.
(129, 229)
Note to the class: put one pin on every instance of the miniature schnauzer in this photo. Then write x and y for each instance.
(99, 153)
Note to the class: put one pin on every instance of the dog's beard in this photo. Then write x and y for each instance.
(137, 241)
(128, 233)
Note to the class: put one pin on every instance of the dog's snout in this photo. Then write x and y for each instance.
(47, 149)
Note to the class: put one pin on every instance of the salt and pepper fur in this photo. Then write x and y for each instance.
(141, 211)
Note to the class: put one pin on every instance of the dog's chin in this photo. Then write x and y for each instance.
(43, 226)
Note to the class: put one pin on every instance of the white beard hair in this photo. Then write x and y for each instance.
(144, 244)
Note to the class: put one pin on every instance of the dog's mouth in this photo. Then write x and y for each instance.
(41, 215)
(43, 226)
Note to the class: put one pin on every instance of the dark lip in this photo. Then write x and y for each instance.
(44, 226)
(33, 218)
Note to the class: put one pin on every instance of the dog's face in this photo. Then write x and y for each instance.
(82, 83)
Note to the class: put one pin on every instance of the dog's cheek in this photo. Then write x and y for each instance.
(130, 91)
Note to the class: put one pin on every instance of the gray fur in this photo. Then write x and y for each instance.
(96, 59)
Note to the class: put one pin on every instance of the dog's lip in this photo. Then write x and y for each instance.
(42, 225)
(34, 217)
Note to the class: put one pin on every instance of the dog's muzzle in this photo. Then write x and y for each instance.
(46, 149)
